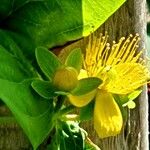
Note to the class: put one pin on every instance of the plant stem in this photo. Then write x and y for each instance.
(59, 103)
(66, 110)
(70, 117)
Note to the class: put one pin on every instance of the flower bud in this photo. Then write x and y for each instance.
(65, 79)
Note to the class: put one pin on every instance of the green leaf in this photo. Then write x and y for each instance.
(10, 67)
(32, 112)
(51, 22)
(134, 95)
(44, 88)
(126, 100)
(129, 97)
(86, 85)
(74, 59)
(68, 136)
(16, 53)
(8, 6)
(86, 112)
(47, 61)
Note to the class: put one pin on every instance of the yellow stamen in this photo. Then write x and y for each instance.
(127, 78)
(99, 54)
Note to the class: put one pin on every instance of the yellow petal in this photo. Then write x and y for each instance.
(126, 77)
(82, 100)
(107, 115)
(82, 74)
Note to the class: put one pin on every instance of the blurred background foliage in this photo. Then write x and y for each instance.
(148, 31)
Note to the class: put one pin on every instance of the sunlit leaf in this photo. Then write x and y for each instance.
(51, 22)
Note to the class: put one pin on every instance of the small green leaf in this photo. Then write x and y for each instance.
(134, 95)
(44, 88)
(122, 99)
(129, 99)
(74, 59)
(86, 85)
(86, 112)
(130, 104)
(47, 61)
(126, 100)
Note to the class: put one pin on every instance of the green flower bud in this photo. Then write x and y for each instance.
(65, 79)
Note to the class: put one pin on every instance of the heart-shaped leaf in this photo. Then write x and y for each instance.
(32, 112)
(47, 61)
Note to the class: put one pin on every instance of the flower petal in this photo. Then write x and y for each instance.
(126, 77)
(82, 100)
(83, 74)
(107, 115)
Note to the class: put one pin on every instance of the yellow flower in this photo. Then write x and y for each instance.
(122, 70)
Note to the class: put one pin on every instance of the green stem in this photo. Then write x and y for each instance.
(70, 117)
(66, 110)
(59, 103)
